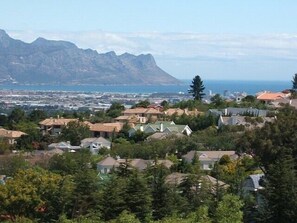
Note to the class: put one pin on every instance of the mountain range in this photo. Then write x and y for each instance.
(61, 62)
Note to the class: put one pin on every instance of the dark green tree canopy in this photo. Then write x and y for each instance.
(75, 132)
(294, 82)
(197, 88)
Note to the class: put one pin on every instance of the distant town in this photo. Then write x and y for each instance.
(79, 101)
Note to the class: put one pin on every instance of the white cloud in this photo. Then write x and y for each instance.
(184, 45)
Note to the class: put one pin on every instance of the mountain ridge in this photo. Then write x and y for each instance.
(61, 62)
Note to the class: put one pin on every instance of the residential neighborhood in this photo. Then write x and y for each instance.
(195, 152)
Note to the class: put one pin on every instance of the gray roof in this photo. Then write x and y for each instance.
(63, 146)
(241, 120)
(157, 126)
(177, 178)
(255, 180)
(163, 135)
(208, 155)
(238, 111)
(88, 141)
(109, 161)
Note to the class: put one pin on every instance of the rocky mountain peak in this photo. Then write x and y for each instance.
(61, 62)
(4, 38)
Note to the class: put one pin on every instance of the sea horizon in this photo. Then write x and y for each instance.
(211, 87)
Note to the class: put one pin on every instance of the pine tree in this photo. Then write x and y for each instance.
(229, 210)
(280, 191)
(113, 198)
(294, 82)
(137, 197)
(197, 88)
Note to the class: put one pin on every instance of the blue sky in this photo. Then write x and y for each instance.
(222, 39)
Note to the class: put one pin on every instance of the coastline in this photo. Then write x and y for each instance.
(211, 86)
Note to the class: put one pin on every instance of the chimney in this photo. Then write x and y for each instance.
(290, 102)
(161, 127)
(225, 111)
(141, 128)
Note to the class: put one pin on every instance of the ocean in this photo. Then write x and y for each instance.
(211, 86)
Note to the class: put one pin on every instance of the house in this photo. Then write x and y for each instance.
(284, 101)
(246, 121)
(53, 126)
(64, 146)
(10, 135)
(106, 165)
(163, 127)
(208, 159)
(144, 114)
(105, 130)
(133, 119)
(53, 152)
(175, 179)
(251, 186)
(229, 111)
(4, 178)
(268, 97)
(95, 144)
(179, 112)
(164, 135)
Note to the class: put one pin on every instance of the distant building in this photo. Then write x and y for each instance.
(267, 97)
(95, 144)
(251, 186)
(175, 179)
(179, 112)
(164, 135)
(133, 119)
(245, 121)
(163, 127)
(64, 146)
(106, 165)
(53, 126)
(144, 114)
(208, 159)
(10, 135)
(238, 111)
(105, 130)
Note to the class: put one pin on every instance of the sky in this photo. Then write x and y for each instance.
(216, 39)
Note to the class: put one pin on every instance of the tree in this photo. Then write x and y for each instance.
(113, 198)
(200, 216)
(70, 163)
(16, 116)
(115, 110)
(143, 104)
(229, 210)
(10, 165)
(138, 199)
(162, 199)
(294, 82)
(74, 132)
(85, 195)
(274, 146)
(197, 88)
(280, 189)
(249, 98)
(126, 217)
(165, 104)
(35, 193)
(217, 100)
(37, 115)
